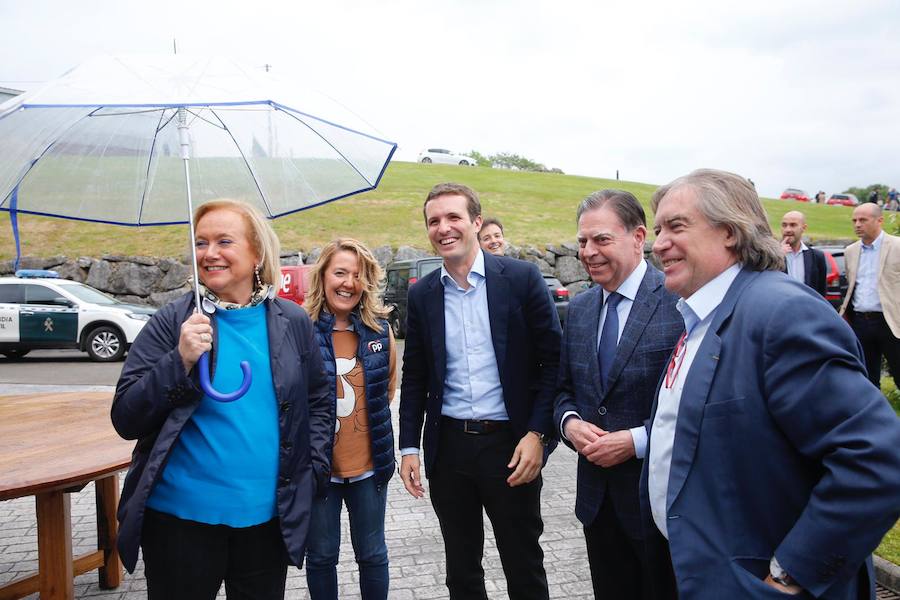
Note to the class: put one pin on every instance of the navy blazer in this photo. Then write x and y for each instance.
(782, 447)
(650, 334)
(815, 269)
(525, 332)
(155, 398)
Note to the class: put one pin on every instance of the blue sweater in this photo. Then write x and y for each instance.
(223, 467)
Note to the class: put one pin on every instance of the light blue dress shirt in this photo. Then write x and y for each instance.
(865, 291)
(794, 260)
(698, 312)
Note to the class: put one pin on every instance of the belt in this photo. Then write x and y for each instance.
(475, 427)
(869, 316)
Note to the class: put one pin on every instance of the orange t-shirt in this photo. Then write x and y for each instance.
(352, 454)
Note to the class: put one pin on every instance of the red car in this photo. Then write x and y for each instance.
(794, 194)
(843, 200)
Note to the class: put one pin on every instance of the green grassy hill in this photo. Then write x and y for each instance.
(536, 208)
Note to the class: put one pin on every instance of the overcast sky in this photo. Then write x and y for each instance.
(802, 93)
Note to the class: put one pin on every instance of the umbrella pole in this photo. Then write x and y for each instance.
(185, 142)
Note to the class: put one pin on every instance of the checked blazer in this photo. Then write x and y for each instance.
(650, 334)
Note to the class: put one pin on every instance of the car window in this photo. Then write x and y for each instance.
(391, 280)
(89, 294)
(11, 294)
(402, 280)
(427, 267)
(38, 294)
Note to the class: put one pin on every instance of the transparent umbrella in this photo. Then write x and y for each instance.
(140, 140)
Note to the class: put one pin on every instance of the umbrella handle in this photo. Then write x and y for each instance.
(206, 384)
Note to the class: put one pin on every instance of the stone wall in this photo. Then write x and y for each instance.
(156, 281)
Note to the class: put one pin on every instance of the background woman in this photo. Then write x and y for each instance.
(221, 491)
(360, 359)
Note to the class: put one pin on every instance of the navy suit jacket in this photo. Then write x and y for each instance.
(650, 334)
(815, 269)
(782, 447)
(525, 333)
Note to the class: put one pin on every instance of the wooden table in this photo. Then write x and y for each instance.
(50, 446)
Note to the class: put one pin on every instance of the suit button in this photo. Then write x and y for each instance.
(286, 446)
(602, 410)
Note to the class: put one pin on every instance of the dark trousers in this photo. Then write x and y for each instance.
(877, 340)
(470, 475)
(624, 567)
(189, 560)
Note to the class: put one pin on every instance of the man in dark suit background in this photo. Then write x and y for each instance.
(479, 374)
(772, 465)
(801, 262)
(616, 344)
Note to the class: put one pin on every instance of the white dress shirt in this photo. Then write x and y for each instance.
(794, 261)
(698, 312)
(865, 291)
(628, 290)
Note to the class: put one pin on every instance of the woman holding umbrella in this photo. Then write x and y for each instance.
(360, 358)
(221, 491)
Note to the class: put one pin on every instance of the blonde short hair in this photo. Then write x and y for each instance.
(262, 236)
(370, 276)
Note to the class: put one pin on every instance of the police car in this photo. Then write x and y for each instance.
(40, 310)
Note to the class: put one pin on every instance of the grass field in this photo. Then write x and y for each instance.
(536, 208)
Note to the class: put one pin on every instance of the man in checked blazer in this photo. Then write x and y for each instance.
(616, 344)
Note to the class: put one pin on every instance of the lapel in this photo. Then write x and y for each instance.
(642, 309)
(807, 266)
(886, 247)
(434, 312)
(591, 324)
(851, 255)
(696, 389)
(498, 307)
(276, 325)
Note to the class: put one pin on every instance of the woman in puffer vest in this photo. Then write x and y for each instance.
(360, 359)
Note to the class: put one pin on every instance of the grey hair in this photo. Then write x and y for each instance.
(730, 201)
(624, 204)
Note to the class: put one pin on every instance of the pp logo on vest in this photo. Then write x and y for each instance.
(375, 346)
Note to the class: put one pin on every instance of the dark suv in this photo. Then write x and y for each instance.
(400, 275)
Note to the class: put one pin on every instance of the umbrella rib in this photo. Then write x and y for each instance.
(140, 212)
(253, 175)
(324, 139)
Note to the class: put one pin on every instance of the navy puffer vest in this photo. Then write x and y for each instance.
(374, 350)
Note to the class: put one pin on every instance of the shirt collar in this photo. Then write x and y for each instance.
(876, 243)
(629, 287)
(705, 300)
(475, 275)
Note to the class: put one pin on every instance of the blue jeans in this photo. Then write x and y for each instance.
(366, 503)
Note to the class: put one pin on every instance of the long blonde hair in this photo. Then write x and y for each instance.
(370, 275)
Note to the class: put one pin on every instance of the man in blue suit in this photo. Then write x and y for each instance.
(617, 342)
(479, 372)
(773, 464)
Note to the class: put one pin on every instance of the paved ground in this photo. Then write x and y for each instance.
(414, 544)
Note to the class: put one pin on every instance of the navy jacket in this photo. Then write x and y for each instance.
(815, 269)
(525, 333)
(782, 447)
(650, 334)
(375, 351)
(155, 398)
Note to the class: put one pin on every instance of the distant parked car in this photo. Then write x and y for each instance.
(843, 200)
(836, 280)
(795, 194)
(400, 275)
(446, 157)
(40, 310)
(560, 296)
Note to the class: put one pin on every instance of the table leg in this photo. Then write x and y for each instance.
(54, 519)
(107, 491)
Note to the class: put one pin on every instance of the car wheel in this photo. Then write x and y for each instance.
(105, 344)
(464, 163)
(426, 160)
(395, 324)
(14, 354)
